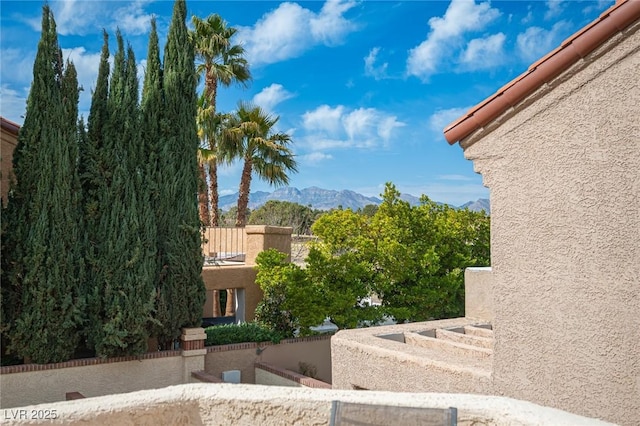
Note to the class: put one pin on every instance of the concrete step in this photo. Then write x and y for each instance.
(447, 346)
(474, 330)
(467, 339)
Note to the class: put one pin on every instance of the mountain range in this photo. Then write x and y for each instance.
(326, 199)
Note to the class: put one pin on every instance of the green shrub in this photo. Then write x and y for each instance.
(240, 333)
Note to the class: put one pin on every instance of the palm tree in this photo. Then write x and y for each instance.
(263, 151)
(221, 62)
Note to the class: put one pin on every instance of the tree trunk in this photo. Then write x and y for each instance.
(203, 197)
(243, 193)
(230, 309)
(211, 86)
(213, 189)
(211, 89)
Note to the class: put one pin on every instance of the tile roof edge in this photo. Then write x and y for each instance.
(9, 125)
(584, 41)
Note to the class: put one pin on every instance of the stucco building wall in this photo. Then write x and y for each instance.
(314, 350)
(393, 358)
(37, 387)
(8, 141)
(563, 168)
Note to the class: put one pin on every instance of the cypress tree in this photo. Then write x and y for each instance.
(95, 177)
(126, 269)
(151, 124)
(92, 167)
(181, 285)
(46, 269)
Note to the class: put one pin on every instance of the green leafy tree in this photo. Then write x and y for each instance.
(220, 62)
(45, 271)
(285, 213)
(412, 258)
(421, 254)
(181, 289)
(340, 263)
(368, 210)
(290, 301)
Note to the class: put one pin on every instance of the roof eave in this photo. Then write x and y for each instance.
(586, 40)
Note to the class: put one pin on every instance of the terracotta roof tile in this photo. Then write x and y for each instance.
(586, 40)
(9, 125)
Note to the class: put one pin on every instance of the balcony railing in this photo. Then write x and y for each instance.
(220, 244)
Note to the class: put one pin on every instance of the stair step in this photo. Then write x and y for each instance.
(473, 330)
(467, 339)
(447, 346)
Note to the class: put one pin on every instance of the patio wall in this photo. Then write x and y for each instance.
(36, 384)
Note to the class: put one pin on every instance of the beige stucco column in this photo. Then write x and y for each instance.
(263, 237)
(193, 351)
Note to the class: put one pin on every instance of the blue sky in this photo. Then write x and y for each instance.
(364, 88)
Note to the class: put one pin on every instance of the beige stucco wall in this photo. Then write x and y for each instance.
(316, 353)
(222, 277)
(564, 174)
(256, 238)
(263, 237)
(270, 379)
(8, 142)
(284, 355)
(361, 359)
(217, 404)
(478, 294)
(36, 387)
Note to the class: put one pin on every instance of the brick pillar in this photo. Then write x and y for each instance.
(193, 351)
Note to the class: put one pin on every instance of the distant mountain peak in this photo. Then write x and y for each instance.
(326, 199)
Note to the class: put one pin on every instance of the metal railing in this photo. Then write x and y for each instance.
(222, 244)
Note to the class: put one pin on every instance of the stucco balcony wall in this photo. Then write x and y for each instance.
(227, 275)
(216, 404)
(390, 361)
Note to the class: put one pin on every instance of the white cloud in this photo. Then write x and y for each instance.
(370, 68)
(554, 8)
(535, 42)
(337, 127)
(13, 103)
(324, 119)
(271, 96)
(314, 158)
(81, 17)
(483, 53)
(462, 16)
(291, 29)
(386, 125)
(443, 117)
(16, 66)
(599, 5)
(329, 26)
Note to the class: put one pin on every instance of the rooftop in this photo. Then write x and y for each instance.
(614, 20)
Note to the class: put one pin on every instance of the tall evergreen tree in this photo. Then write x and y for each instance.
(181, 285)
(46, 269)
(125, 272)
(94, 177)
(151, 125)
